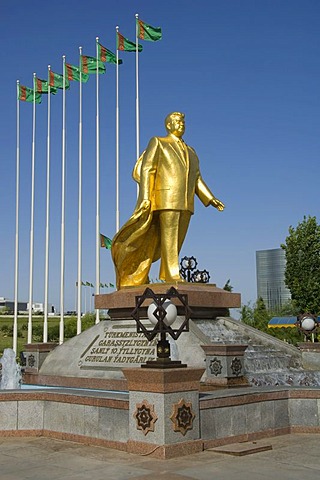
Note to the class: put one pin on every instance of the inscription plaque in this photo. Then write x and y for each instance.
(119, 346)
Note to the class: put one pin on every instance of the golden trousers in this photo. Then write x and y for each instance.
(173, 228)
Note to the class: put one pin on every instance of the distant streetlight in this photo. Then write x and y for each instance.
(308, 325)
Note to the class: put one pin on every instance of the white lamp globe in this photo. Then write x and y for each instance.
(170, 309)
(308, 324)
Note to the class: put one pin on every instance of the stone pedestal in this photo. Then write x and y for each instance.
(225, 365)
(164, 419)
(310, 355)
(96, 358)
(205, 300)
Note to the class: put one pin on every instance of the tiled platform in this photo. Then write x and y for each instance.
(293, 457)
(103, 418)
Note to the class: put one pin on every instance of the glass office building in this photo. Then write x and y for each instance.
(270, 265)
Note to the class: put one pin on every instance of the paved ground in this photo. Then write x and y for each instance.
(293, 457)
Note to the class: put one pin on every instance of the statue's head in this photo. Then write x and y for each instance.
(175, 124)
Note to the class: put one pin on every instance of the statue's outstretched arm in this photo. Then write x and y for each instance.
(215, 202)
(206, 196)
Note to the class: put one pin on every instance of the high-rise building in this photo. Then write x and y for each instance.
(270, 266)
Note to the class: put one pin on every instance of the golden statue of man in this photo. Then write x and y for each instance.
(169, 177)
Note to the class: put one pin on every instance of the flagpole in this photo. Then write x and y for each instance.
(97, 289)
(80, 203)
(63, 194)
(46, 275)
(137, 99)
(16, 261)
(117, 136)
(29, 337)
(85, 300)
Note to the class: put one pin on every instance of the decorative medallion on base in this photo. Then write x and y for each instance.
(182, 416)
(215, 366)
(31, 361)
(145, 417)
(236, 366)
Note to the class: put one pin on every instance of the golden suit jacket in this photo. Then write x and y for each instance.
(169, 176)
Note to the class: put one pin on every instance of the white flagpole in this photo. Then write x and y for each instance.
(46, 275)
(80, 203)
(137, 98)
(97, 289)
(16, 261)
(117, 136)
(63, 194)
(32, 211)
(85, 300)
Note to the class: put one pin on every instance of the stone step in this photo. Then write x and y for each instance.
(242, 448)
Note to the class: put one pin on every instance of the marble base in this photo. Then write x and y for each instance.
(205, 300)
(164, 413)
(310, 355)
(225, 365)
(35, 354)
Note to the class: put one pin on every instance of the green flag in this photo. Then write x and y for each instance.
(111, 285)
(147, 32)
(42, 86)
(56, 80)
(73, 73)
(126, 45)
(105, 242)
(89, 65)
(25, 94)
(88, 284)
(106, 55)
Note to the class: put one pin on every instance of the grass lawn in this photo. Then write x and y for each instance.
(70, 329)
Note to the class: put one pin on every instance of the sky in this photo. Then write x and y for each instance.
(245, 73)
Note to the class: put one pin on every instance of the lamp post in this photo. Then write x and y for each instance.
(188, 271)
(187, 266)
(308, 325)
(201, 276)
(162, 313)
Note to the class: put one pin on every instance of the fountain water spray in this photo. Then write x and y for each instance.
(10, 371)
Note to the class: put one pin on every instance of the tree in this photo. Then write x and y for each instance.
(5, 311)
(261, 315)
(258, 316)
(246, 315)
(302, 274)
(288, 309)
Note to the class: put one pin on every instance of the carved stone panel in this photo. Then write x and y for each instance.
(182, 416)
(145, 417)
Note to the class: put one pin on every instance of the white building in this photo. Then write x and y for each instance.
(38, 307)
